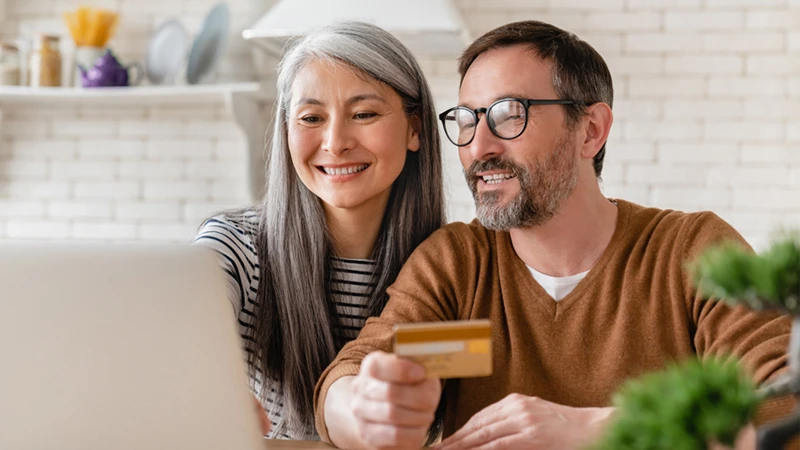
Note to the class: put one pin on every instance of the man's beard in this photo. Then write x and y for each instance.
(542, 188)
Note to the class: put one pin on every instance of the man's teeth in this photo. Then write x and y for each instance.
(496, 178)
(344, 170)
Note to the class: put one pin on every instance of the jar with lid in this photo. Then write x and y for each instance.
(44, 68)
(9, 65)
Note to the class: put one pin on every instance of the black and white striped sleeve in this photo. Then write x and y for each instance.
(237, 259)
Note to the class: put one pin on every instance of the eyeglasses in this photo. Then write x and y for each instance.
(507, 118)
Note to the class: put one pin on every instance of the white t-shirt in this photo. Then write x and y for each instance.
(557, 287)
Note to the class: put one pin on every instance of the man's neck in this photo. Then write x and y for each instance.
(574, 239)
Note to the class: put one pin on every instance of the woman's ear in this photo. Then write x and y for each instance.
(412, 140)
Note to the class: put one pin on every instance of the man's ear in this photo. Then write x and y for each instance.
(598, 122)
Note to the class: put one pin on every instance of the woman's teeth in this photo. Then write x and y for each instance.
(496, 178)
(344, 170)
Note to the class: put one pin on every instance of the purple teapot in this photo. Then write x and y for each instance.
(108, 72)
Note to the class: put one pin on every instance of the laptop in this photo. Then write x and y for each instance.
(120, 347)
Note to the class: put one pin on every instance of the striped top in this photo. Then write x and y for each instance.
(232, 236)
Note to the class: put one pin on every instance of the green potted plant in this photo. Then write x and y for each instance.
(694, 404)
(766, 281)
(686, 406)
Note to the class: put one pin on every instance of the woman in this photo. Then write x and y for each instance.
(354, 184)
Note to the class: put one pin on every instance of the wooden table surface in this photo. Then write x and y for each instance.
(276, 444)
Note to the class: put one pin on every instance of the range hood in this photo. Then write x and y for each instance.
(428, 27)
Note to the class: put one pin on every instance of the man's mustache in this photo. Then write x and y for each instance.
(477, 166)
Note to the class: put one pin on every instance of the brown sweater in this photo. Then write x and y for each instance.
(632, 313)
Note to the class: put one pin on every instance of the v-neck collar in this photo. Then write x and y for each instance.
(527, 284)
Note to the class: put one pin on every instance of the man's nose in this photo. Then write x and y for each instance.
(485, 145)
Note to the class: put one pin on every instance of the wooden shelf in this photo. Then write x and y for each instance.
(139, 95)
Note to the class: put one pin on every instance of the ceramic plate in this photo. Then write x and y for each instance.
(166, 52)
(209, 44)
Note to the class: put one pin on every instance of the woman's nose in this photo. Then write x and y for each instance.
(338, 137)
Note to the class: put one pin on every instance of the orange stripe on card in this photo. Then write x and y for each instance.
(443, 331)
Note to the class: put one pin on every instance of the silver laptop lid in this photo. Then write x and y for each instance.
(119, 347)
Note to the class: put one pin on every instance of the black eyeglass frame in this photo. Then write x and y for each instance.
(526, 102)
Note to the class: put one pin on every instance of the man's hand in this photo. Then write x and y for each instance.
(746, 440)
(390, 405)
(521, 422)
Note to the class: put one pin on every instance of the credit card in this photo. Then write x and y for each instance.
(457, 349)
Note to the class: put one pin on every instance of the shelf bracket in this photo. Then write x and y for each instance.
(249, 111)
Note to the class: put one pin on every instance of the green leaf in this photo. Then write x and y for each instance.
(731, 273)
(684, 406)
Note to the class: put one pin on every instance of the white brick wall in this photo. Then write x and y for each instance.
(79, 209)
(706, 117)
(82, 181)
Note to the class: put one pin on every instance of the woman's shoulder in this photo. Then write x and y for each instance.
(242, 221)
(236, 228)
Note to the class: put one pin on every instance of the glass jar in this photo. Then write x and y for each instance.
(9, 65)
(44, 68)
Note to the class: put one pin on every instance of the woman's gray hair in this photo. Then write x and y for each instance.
(294, 332)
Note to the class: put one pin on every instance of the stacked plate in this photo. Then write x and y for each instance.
(166, 61)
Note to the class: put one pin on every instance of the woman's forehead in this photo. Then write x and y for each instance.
(327, 78)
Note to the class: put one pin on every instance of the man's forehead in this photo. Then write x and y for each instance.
(501, 71)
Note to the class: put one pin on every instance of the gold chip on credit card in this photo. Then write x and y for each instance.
(458, 349)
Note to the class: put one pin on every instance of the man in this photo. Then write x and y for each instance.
(583, 292)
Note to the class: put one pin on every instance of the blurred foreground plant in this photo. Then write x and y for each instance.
(766, 281)
(685, 406)
(691, 405)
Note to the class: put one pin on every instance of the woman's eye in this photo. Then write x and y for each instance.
(310, 119)
(365, 115)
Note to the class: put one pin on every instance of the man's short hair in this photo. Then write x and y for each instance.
(579, 72)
